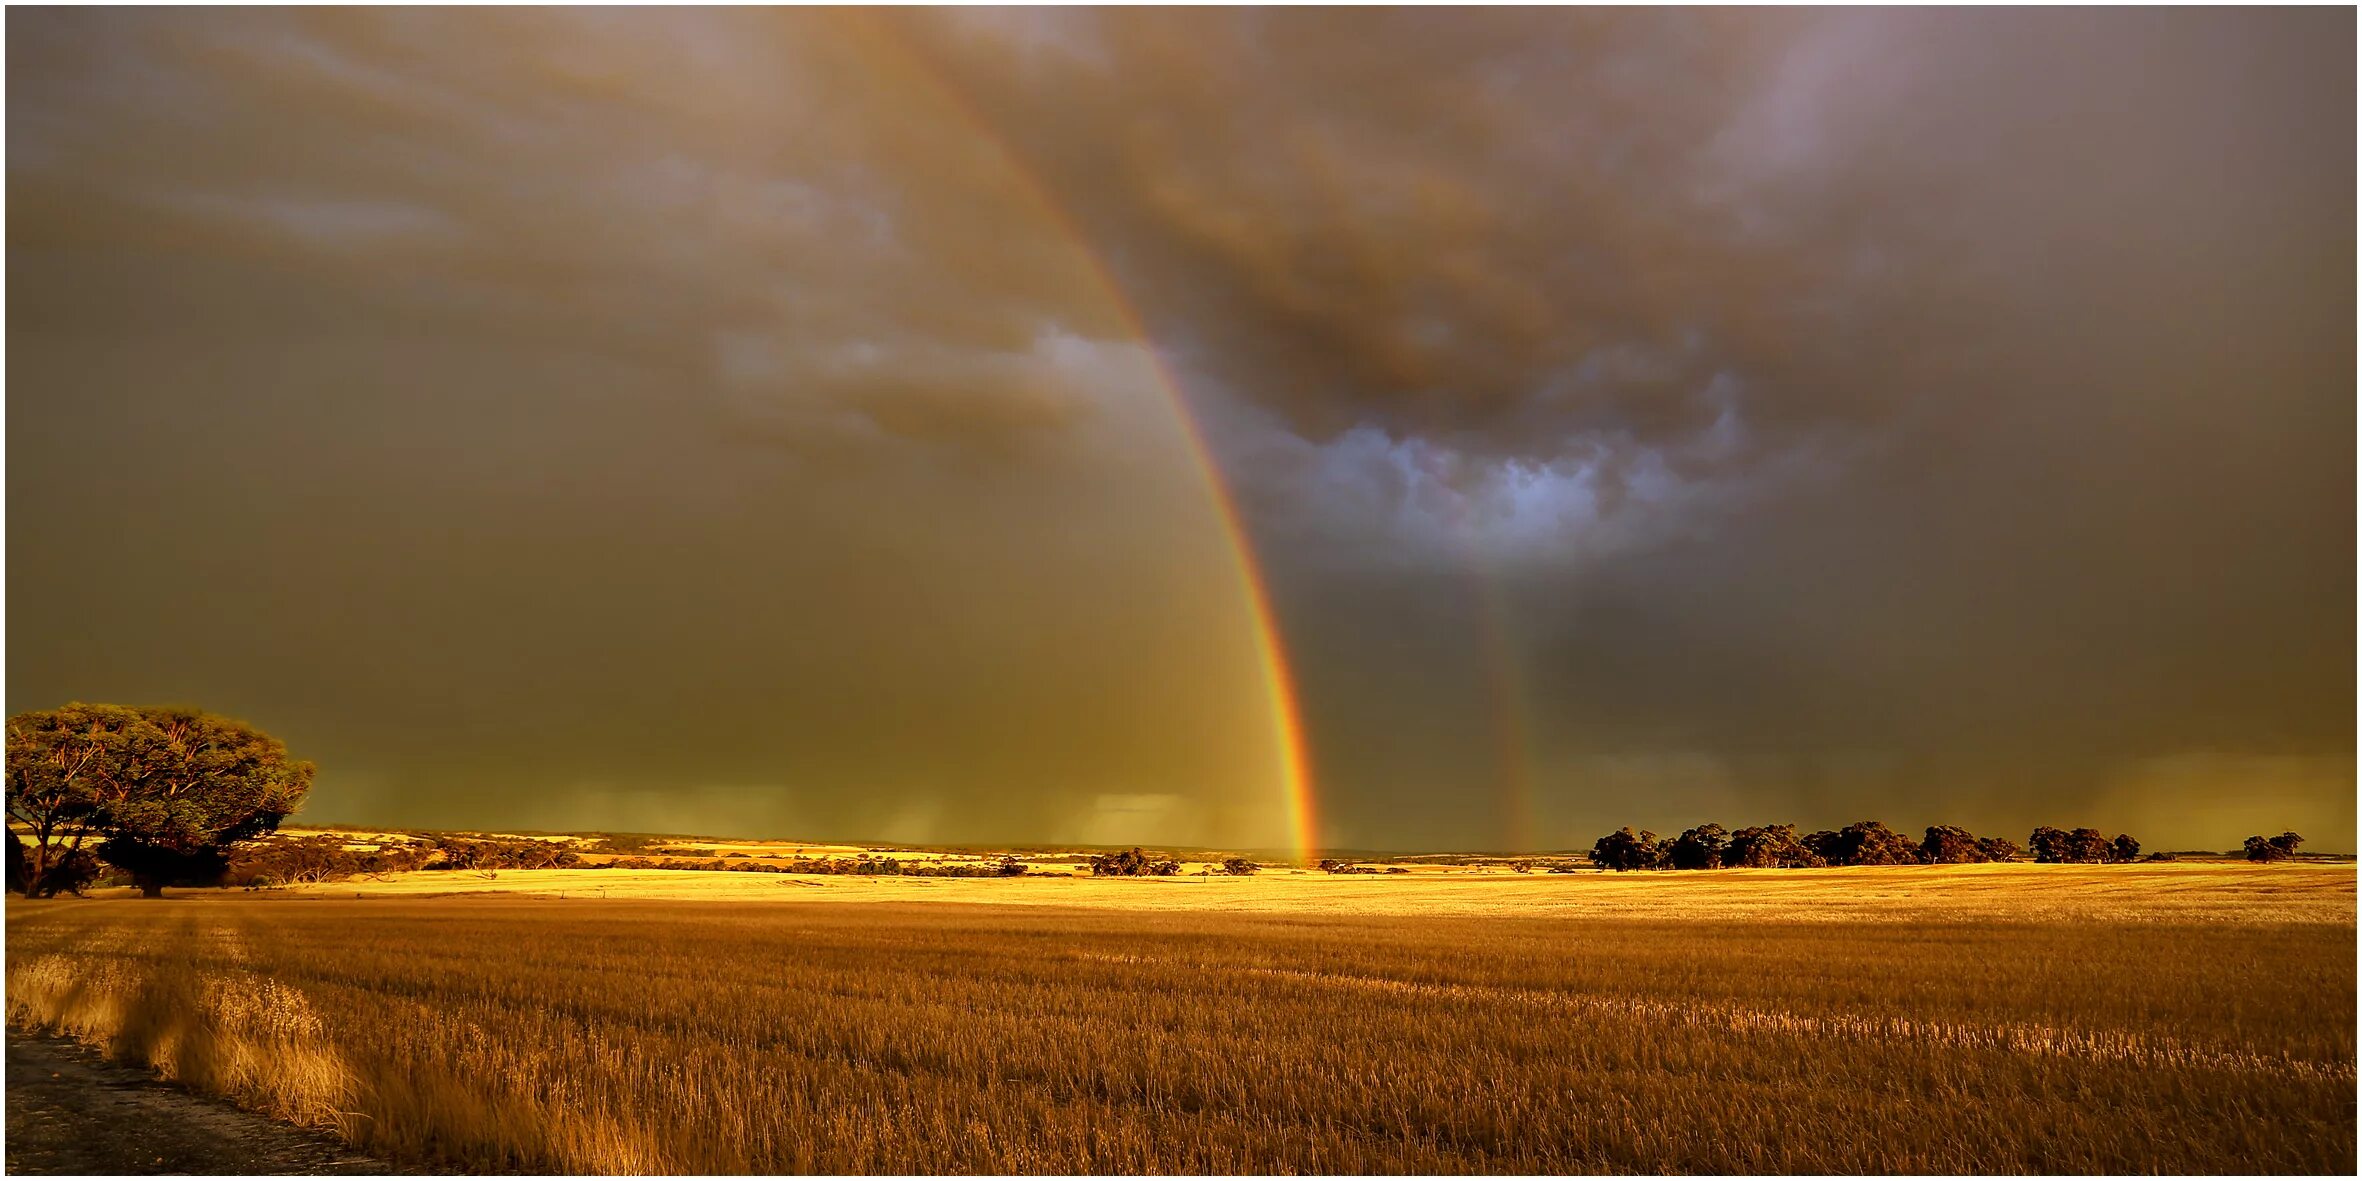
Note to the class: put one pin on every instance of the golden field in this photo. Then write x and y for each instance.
(2174, 1018)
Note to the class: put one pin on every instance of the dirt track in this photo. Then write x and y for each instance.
(72, 1112)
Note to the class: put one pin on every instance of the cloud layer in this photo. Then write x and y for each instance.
(564, 418)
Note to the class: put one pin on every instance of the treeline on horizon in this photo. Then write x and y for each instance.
(1869, 842)
(286, 860)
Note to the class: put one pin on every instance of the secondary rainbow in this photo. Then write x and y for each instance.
(1279, 686)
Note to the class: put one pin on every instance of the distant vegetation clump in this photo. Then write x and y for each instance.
(867, 866)
(2279, 848)
(1132, 863)
(1778, 846)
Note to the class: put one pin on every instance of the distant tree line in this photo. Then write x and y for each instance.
(1133, 863)
(290, 860)
(1780, 846)
(2279, 848)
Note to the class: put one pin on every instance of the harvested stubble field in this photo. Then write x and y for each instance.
(2174, 1019)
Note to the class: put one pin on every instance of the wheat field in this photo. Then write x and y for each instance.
(2167, 1021)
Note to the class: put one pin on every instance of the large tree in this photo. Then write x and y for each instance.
(1770, 846)
(1867, 843)
(1625, 849)
(169, 789)
(1948, 844)
(1698, 848)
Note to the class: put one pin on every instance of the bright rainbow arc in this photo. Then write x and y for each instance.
(1279, 685)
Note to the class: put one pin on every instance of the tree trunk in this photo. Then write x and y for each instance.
(150, 889)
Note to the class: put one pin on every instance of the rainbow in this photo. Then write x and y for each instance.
(1279, 686)
(1505, 688)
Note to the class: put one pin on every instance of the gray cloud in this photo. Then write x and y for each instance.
(547, 415)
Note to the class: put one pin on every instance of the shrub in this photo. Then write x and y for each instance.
(69, 872)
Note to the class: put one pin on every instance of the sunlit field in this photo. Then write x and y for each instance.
(2132, 1019)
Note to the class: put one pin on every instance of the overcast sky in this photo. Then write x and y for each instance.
(751, 422)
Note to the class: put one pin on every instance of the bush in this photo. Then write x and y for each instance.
(69, 872)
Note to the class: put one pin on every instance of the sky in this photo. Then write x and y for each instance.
(1259, 429)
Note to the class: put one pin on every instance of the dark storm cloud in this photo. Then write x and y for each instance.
(1940, 416)
(1963, 397)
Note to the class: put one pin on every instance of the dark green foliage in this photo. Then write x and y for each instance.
(2083, 846)
(1948, 844)
(2088, 846)
(1868, 842)
(1773, 846)
(1998, 848)
(1132, 863)
(2049, 845)
(51, 778)
(70, 872)
(2279, 848)
(1624, 849)
(170, 789)
(1698, 848)
(1239, 866)
(2124, 848)
(154, 865)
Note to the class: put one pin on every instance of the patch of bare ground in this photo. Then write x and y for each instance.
(73, 1113)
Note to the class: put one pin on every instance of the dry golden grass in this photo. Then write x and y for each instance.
(2017, 1019)
(2178, 891)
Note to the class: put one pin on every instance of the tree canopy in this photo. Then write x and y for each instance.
(167, 788)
